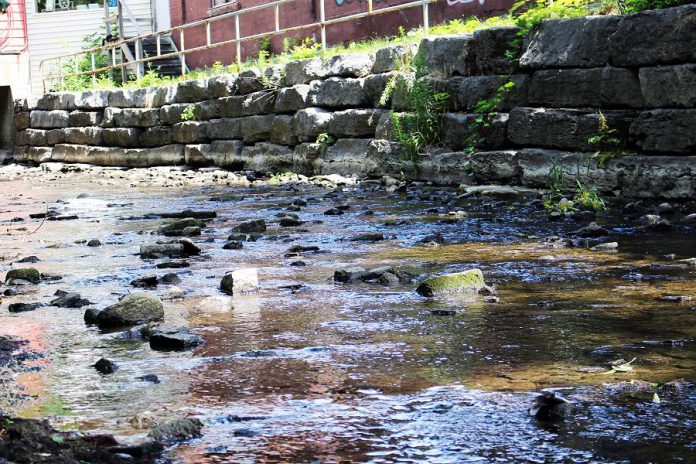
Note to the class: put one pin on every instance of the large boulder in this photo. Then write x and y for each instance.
(165, 338)
(83, 135)
(492, 48)
(84, 118)
(256, 128)
(461, 131)
(292, 99)
(56, 101)
(26, 274)
(49, 119)
(470, 281)
(393, 58)
(136, 117)
(354, 123)
(240, 281)
(349, 65)
(190, 132)
(261, 102)
(304, 71)
(222, 86)
(192, 91)
(447, 55)
(310, 122)
(155, 137)
(474, 89)
(224, 129)
(282, 130)
(133, 309)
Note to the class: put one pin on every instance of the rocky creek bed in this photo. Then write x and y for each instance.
(347, 366)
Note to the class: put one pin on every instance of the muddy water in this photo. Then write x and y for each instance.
(359, 373)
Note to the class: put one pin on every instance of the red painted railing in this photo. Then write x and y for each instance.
(13, 28)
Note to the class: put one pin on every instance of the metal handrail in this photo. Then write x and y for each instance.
(138, 40)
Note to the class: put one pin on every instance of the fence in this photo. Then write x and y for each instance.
(139, 59)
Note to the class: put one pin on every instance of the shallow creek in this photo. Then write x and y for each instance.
(359, 372)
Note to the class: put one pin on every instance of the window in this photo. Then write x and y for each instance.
(219, 3)
(43, 6)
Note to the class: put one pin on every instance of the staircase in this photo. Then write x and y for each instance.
(170, 66)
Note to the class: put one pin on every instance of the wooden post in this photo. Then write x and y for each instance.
(239, 43)
(182, 54)
(322, 19)
(94, 75)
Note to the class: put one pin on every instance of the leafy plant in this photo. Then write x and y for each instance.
(326, 139)
(589, 198)
(634, 6)
(189, 113)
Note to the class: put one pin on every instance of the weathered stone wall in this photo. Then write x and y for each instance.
(639, 71)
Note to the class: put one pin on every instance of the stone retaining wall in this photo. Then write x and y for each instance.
(639, 71)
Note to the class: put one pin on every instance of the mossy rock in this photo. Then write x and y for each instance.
(180, 225)
(470, 281)
(29, 274)
(133, 309)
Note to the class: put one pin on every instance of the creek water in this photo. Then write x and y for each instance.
(358, 372)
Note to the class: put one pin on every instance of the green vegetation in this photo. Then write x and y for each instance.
(326, 139)
(189, 113)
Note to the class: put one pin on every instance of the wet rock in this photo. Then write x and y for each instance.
(133, 309)
(152, 378)
(333, 212)
(592, 230)
(240, 281)
(368, 237)
(655, 223)
(145, 282)
(632, 387)
(176, 430)
(23, 307)
(25, 274)
(69, 300)
(173, 264)
(179, 249)
(470, 281)
(675, 298)
(29, 259)
(298, 249)
(233, 245)
(175, 229)
(104, 366)
(168, 279)
(674, 387)
(187, 213)
(250, 227)
(191, 232)
(443, 312)
(550, 407)
(91, 315)
(389, 279)
(244, 237)
(290, 222)
(94, 243)
(163, 338)
(609, 246)
(349, 274)
(298, 264)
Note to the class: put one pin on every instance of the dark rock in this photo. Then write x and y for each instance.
(176, 430)
(29, 259)
(250, 227)
(244, 237)
(145, 282)
(173, 339)
(94, 243)
(349, 274)
(173, 264)
(69, 300)
(104, 366)
(175, 229)
(368, 237)
(303, 249)
(550, 407)
(592, 230)
(333, 212)
(233, 245)
(298, 264)
(23, 307)
(187, 213)
(656, 223)
(389, 279)
(91, 315)
(443, 312)
(240, 281)
(290, 222)
(170, 278)
(149, 378)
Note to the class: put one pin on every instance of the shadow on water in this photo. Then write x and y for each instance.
(361, 372)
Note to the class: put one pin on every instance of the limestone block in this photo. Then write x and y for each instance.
(666, 131)
(292, 99)
(570, 43)
(122, 137)
(354, 123)
(84, 118)
(669, 86)
(341, 93)
(604, 87)
(282, 132)
(190, 132)
(48, 119)
(311, 122)
(256, 128)
(226, 128)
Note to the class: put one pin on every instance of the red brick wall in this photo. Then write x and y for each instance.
(302, 12)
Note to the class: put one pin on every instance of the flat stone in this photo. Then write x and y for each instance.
(354, 123)
(164, 338)
(470, 281)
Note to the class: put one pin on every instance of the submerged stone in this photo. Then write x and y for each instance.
(176, 430)
(470, 281)
(104, 366)
(250, 227)
(173, 339)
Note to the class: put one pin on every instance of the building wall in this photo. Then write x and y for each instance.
(302, 12)
(14, 72)
(60, 32)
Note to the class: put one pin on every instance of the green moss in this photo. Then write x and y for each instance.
(470, 281)
(29, 274)
(181, 225)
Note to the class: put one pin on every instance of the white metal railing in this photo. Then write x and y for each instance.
(139, 59)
